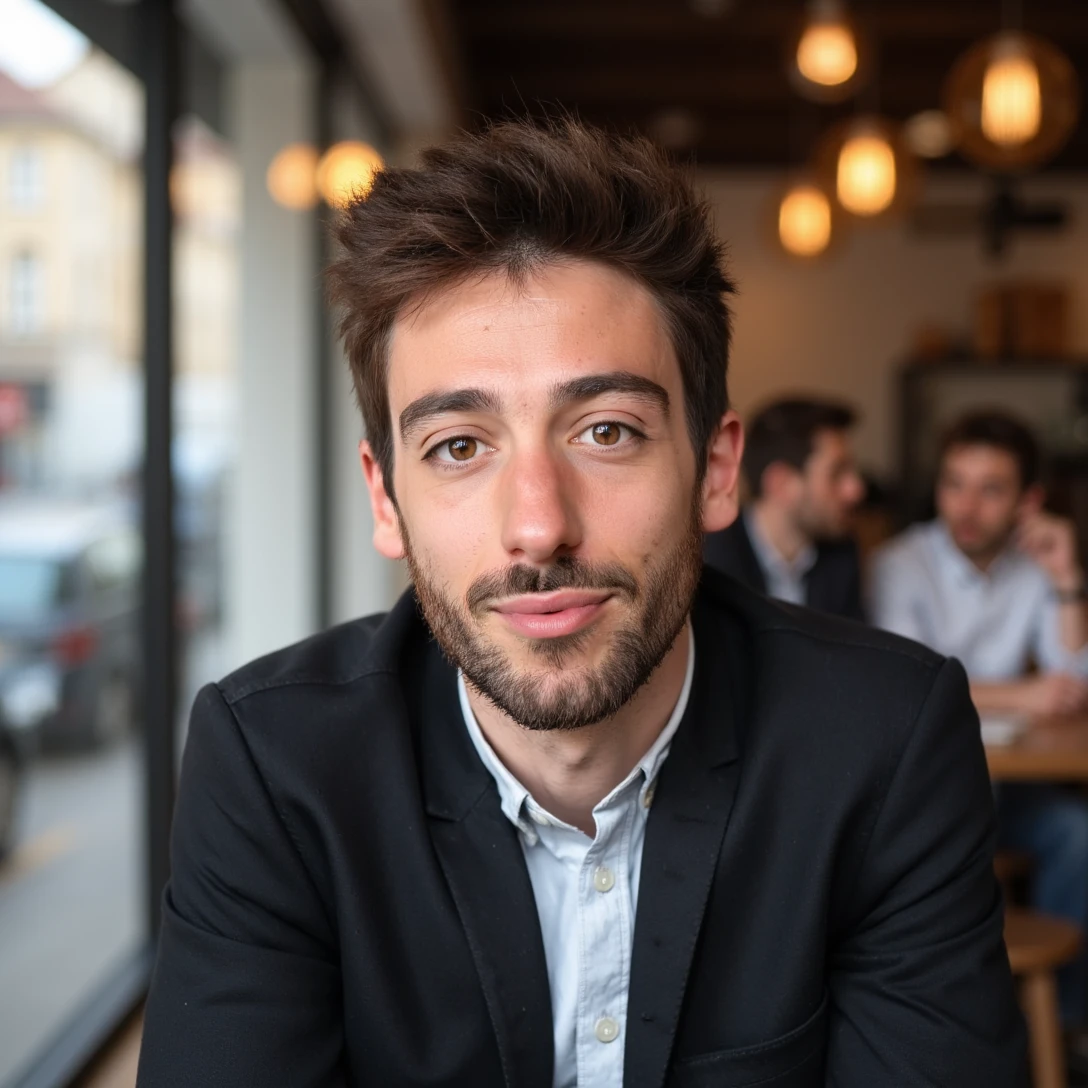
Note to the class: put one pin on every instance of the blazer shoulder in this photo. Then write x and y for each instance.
(790, 629)
(338, 656)
(851, 637)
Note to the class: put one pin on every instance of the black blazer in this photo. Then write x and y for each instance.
(350, 906)
(832, 585)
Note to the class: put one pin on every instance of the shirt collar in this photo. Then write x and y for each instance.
(965, 571)
(769, 556)
(513, 795)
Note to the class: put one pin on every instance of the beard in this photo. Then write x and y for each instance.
(979, 543)
(822, 526)
(561, 695)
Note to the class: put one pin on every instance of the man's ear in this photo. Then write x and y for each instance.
(721, 483)
(388, 539)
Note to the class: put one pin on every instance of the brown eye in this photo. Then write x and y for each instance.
(606, 434)
(462, 449)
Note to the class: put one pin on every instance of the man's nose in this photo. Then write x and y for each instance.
(539, 506)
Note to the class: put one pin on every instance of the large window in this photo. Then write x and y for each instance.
(72, 774)
(27, 305)
(26, 179)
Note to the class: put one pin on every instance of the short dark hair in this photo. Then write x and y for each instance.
(786, 430)
(999, 430)
(511, 199)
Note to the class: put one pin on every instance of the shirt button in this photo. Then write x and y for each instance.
(607, 1029)
(604, 879)
(538, 817)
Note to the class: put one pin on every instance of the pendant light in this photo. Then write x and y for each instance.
(346, 172)
(1013, 100)
(864, 162)
(290, 177)
(825, 61)
(865, 172)
(1012, 108)
(804, 220)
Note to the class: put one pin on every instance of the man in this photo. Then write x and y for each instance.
(792, 540)
(574, 812)
(997, 583)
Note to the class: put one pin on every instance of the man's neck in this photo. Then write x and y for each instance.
(982, 560)
(568, 772)
(777, 527)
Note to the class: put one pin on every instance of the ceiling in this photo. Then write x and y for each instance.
(719, 66)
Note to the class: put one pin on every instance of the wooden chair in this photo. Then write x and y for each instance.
(1038, 945)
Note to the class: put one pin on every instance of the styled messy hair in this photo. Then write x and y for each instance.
(511, 199)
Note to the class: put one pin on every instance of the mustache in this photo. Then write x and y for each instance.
(565, 573)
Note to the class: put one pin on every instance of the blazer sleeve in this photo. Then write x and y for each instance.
(921, 992)
(246, 987)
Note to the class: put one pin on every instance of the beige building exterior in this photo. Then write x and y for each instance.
(70, 279)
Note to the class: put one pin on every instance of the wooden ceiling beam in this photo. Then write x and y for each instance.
(733, 89)
(672, 24)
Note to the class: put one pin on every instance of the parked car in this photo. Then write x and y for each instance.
(69, 590)
(29, 694)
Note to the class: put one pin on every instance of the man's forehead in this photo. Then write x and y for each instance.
(561, 291)
(981, 459)
(571, 317)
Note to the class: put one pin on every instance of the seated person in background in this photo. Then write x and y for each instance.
(996, 582)
(791, 541)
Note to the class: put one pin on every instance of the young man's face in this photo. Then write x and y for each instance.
(980, 497)
(830, 487)
(545, 484)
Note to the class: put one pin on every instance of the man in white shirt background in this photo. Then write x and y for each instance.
(997, 582)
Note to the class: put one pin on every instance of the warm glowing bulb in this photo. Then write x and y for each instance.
(1012, 105)
(827, 54)
(865, 178)
(290, 177)
(346, 172)
(804, 221)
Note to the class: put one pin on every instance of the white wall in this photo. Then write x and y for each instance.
(271, 532)
(842, 325)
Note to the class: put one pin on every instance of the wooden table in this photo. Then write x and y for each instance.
(1053, 750)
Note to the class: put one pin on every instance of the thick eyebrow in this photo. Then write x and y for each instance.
(425, 408)
(620, 381)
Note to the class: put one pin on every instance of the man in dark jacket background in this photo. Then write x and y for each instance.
(792, 540)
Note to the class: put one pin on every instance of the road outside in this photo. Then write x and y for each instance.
(72, 895)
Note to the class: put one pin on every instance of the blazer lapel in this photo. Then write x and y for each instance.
(692, 803)
(482, 859)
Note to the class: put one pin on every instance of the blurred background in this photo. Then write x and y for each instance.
(901, 183)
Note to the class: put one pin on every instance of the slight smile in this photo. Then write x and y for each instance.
(552, 615)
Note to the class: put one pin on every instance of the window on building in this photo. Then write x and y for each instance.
(27, 294)
(26, 179)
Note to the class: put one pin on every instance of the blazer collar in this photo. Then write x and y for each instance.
(691, 809)
(480, 855)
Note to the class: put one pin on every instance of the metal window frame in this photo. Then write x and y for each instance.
(145, 39)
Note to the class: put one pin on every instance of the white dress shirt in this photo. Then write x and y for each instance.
(785, 580)
(995, 621)
(586, 891)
